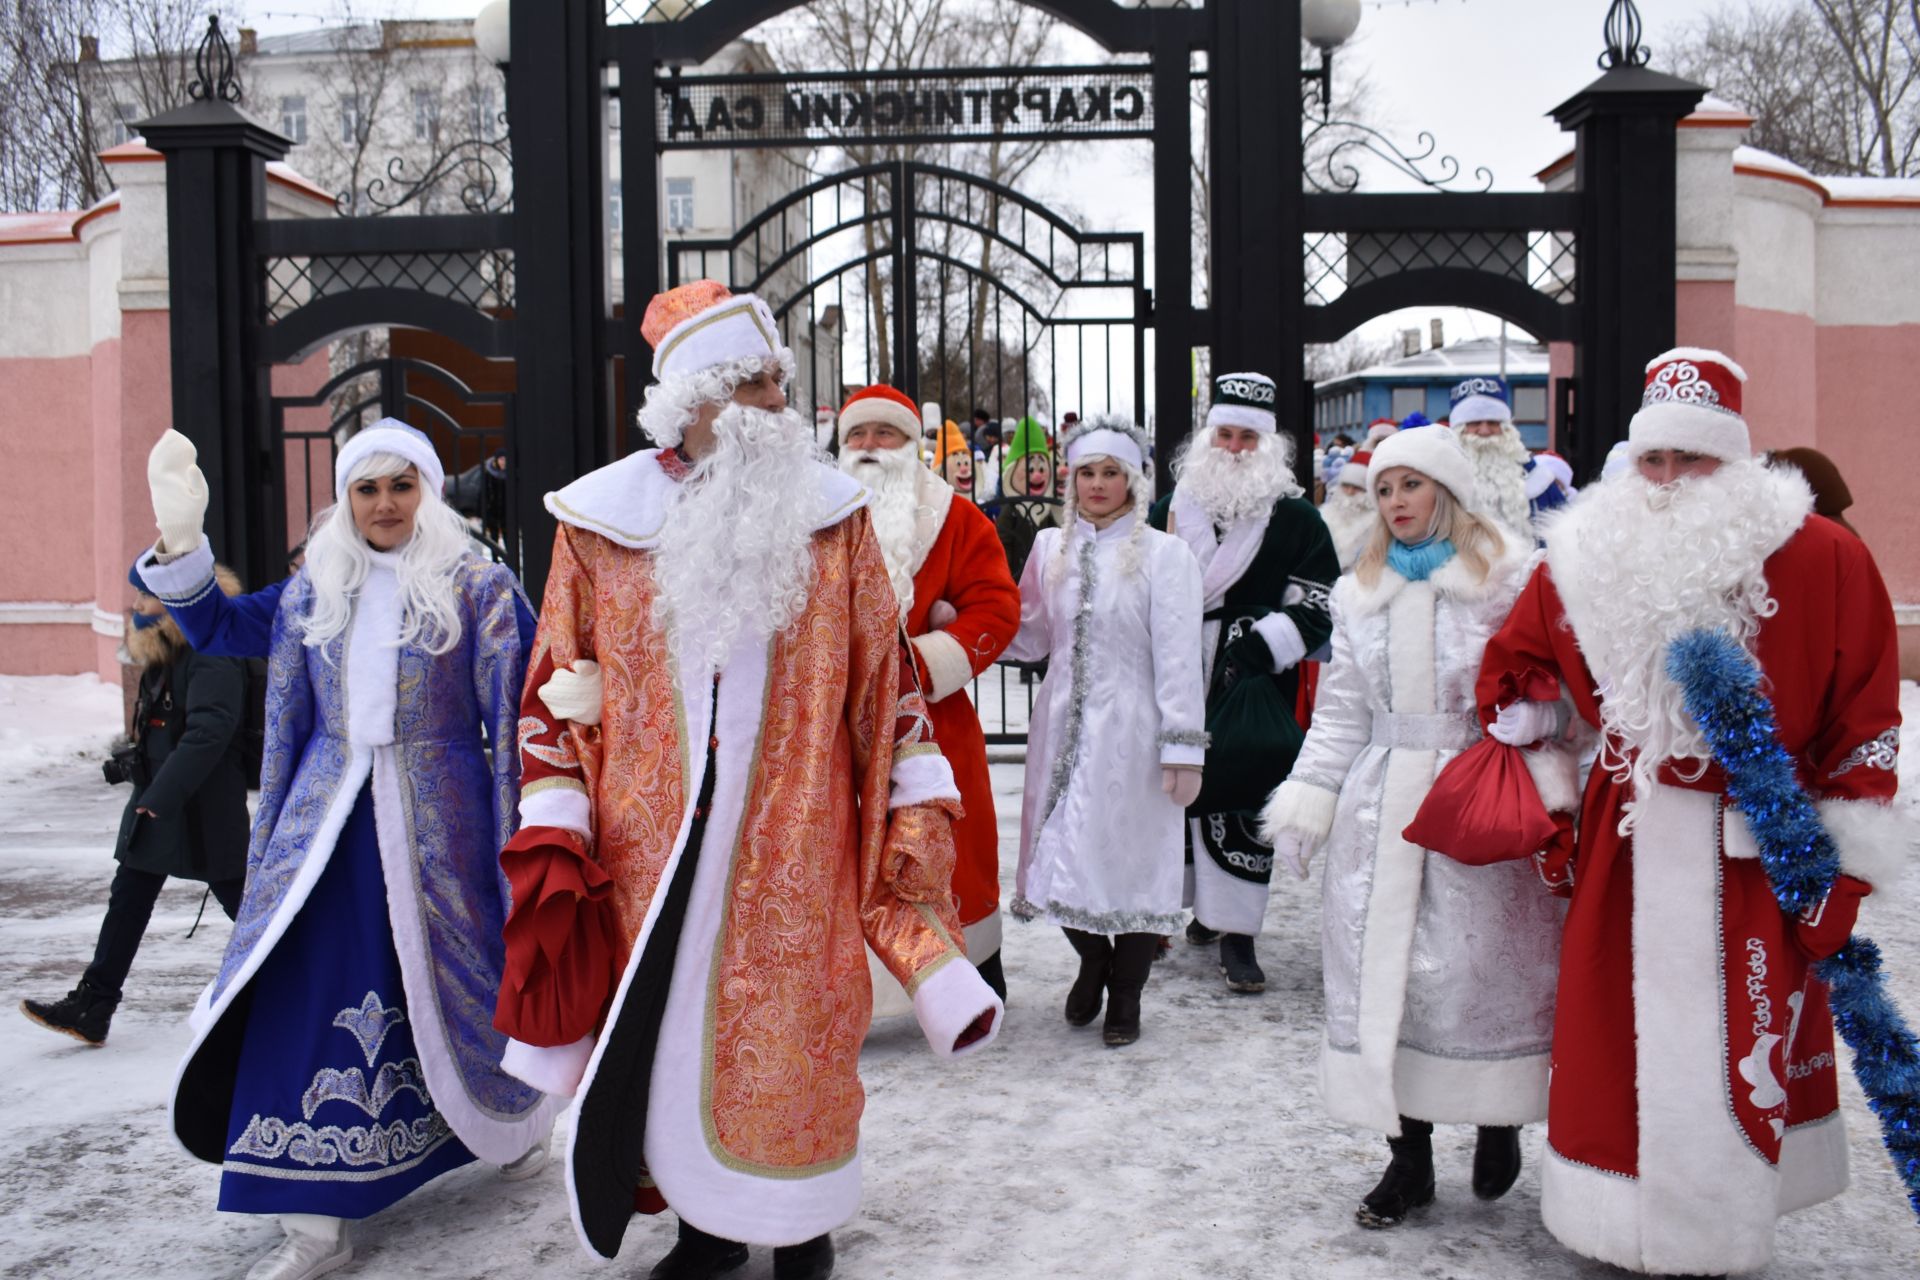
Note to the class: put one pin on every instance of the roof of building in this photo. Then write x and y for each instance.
(365, 37)
(1459, 360)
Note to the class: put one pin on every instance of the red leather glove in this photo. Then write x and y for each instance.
(1822, 929)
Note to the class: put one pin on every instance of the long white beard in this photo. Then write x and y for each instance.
(1500, 477)
(1231, 487)
(1655, 562)
(1349, 518)
(892, 475)
(735, 556)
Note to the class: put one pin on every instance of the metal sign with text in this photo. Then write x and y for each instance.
(858, 108)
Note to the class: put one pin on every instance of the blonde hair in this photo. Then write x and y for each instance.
(1476, 540)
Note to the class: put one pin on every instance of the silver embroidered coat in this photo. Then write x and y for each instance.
(1100, 842)
(1439, 976)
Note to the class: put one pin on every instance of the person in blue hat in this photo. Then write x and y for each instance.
(1515, 487)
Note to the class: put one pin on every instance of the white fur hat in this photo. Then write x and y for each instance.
(1434, 453)
(389, 435)
(1354, 470)
(1692, 403)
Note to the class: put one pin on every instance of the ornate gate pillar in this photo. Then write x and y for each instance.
(216, 161)
(1625, 125)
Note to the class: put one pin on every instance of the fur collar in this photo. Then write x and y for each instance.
(1452, 579)
(626, 501)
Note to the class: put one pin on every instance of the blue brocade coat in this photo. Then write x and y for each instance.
(414, 726)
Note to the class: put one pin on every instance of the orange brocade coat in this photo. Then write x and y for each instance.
(825, 829)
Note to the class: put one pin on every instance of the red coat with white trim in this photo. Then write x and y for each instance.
(958, 559)
(1694, 1092)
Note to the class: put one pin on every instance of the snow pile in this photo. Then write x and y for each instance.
(46, 721)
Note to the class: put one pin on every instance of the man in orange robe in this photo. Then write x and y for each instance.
(962, 609)
(730, 791)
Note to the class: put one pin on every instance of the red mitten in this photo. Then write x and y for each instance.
(1824, 928)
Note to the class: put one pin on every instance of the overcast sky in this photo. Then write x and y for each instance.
(1480, 75)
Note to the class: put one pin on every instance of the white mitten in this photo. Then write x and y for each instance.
(941, 614)
(575, 695)
(1293, 850)
(179, 493)
(1183, 785)
(1524, 723)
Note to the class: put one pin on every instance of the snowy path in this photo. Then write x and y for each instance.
(1202, 1151)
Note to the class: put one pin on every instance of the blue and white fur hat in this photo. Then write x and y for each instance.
(1481, 399)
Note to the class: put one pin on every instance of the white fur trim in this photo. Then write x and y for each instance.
(1591, 1211)
(627, 501)
(1242, 415)
(388, 436)
(982, 937)
(1452, 579)
(1556, 776)
(555, 1071)
(1875, 840)
(1707, 1200)
(183, 579)
(1736, 837)
(1222, 560)
(1505, 1091)
(1298, 806)
(1352, 473)
(947, 663)
(1699, 355)
(1221, 901)
(1103, 443)
(1691, 428)
(739, 328)
(1537, 479)
(1434, 453)
(882, 410)
(1480, 409)
(947, 1002)
(936, 498)
(373, 657)
(1283, 638)
(493, 1136)
(921, 779)
(558, 807)
(1813, 1162)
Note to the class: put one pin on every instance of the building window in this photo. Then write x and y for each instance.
(426, 115)
(350, 118)
(1408, 400)
(480, 111)
(614, 211)
(679, 204)
(124, 114)
(293, 119)
(1530, 404)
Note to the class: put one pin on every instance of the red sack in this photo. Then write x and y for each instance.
(1484, 808)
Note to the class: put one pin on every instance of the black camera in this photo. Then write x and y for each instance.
(123, 765)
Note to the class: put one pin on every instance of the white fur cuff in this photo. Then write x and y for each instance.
(922, 779)
(184, 579)
(1556, 776)
(554, 1071)
(949, 1001)
(947, 664)
(557, 806)
(1283, 638)
(1875, 840)
(1299, 806)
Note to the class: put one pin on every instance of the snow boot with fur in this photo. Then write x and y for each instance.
(1496, 1160)
(83, 1013)
(698, 1256)
(1133, 956)
(1408, 1181)
(315, 1245)
(1096, 960)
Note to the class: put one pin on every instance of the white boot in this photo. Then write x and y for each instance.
(529, 1164)
(315, 1245)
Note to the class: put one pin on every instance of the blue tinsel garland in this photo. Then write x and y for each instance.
(1721, 684)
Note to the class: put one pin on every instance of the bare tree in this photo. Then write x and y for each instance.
(1833, 85)
(1350, 354)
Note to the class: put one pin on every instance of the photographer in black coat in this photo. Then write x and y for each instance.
(187, 816)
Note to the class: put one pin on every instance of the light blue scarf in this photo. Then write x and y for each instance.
(1416, 563)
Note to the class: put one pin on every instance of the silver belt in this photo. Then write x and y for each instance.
(1408, 732)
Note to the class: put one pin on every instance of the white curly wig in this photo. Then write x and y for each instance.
(670, 404)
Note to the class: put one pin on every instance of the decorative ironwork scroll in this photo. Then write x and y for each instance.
(1330, 149)
(1624, 30)
(477, 164)
(214, 79)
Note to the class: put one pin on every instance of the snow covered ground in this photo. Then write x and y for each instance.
(1201, 1151)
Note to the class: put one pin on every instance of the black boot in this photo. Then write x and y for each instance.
(1133, 956)
(1408, 1181)
(1239, 964)
(1096, 958)
(993, 976)
(811, 1260)
(1496, 1160)
(1199, 935)
(698, 1256)
(83, 1013)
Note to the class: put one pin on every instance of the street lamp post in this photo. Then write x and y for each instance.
(1326, 25)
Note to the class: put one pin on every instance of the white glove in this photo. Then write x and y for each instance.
(1183, 785)
(1524, 723)
(941, 614)
(1294, 851)
(575, 695)
(179, 493)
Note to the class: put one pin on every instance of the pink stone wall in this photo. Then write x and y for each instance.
(1703, 314)
(1869, 381)
(123, 516)
(1785, 401)
(46, 485)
